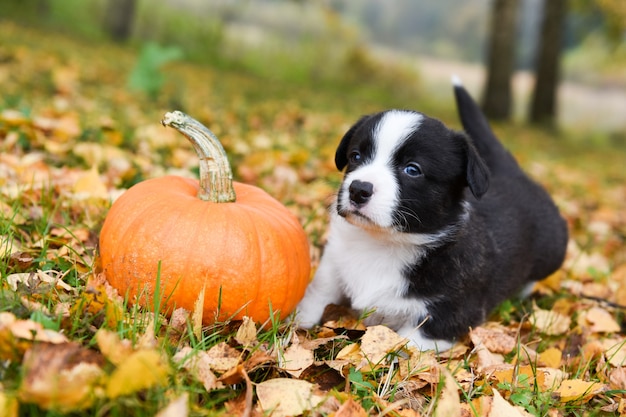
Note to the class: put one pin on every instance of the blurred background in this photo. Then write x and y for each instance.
(553, 63)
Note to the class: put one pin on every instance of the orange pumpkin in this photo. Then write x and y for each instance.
(244, 249)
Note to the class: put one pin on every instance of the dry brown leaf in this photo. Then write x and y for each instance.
(198, 363)
(179, 319)
(617, 378)
(313, 344)
(223, 357)
(421, 366)
(178, 407)
(246, 333)
(197, 314)
(495, 339)
(338, 364)
(618, 277)
(296, 359)
(142, 369)
(29, 330)
(598, 320)
(379, 341)
(596, 290)
(284, 397)
(259, 358)
(350, 408)
(615, 351)
(549, 322)
(552, 377)
(479, 406)
(581, 264)
(63, 376)
(34, 279)
(148, 339)
(485, 358)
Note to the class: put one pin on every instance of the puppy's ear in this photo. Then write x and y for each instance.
(477, 173)
(341, 155)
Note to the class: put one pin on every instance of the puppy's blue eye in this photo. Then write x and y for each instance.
(355, 157)
(413, 170)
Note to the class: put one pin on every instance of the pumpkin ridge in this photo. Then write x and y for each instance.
(287, 245)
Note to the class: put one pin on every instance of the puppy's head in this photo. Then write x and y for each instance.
(406, 172)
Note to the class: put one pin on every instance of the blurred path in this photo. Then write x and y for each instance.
(580, 105)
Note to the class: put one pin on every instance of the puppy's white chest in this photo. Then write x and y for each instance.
(371, 271)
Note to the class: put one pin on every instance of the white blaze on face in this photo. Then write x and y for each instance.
(389, 134)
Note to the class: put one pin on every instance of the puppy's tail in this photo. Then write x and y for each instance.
(477, 127)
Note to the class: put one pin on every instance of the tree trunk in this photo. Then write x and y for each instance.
(119, 18)
(501, 59)
(547, 63)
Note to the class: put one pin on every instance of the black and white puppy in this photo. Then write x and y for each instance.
(432, 228)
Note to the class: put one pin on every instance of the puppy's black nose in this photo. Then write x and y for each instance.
(360, 192)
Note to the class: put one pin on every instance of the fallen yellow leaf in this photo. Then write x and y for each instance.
(90, 186)
(514, 374)
(351, 352)
(546, 379)
(143, 369)
(112, 347)
(551, 357)
(8, 405)
(96, 301)
(578, 390)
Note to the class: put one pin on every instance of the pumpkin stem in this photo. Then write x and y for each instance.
(216, 177)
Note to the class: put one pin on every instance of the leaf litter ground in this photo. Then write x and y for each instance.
(72, 138)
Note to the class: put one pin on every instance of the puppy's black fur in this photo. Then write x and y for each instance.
(513, 235)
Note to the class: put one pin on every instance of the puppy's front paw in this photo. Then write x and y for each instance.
(309, 312)
(422, 342)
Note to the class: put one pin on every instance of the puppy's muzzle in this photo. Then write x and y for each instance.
(360, 192)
